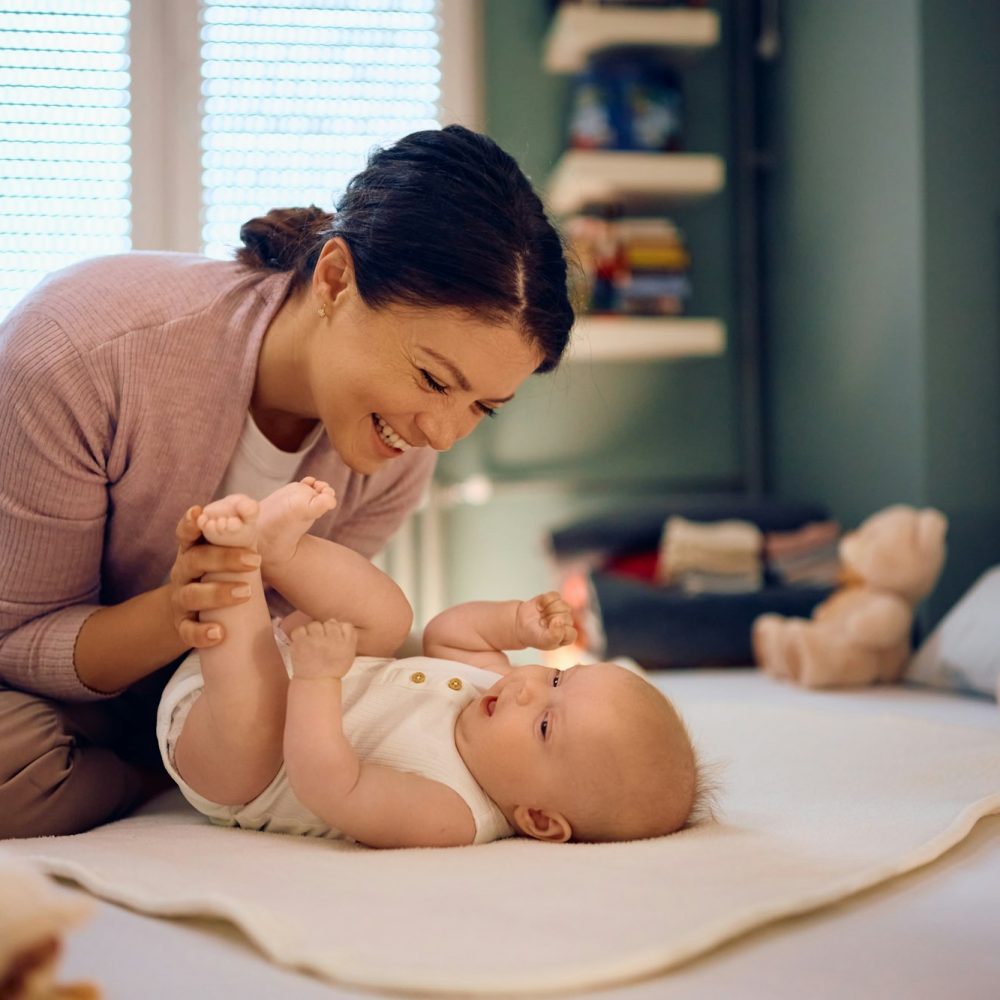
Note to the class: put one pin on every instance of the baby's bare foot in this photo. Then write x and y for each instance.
(287, 514)
(230, 521)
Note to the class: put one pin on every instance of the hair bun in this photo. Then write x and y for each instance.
(278, 240)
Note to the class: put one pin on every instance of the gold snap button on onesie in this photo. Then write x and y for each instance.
(455, 684)
(418, 677)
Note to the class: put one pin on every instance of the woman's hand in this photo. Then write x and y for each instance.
(545, 622)
(190, 594)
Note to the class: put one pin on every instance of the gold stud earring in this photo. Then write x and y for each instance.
(322, 311)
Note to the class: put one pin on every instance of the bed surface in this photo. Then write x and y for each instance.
(931, 933)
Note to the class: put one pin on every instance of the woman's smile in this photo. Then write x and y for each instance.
(388, 436)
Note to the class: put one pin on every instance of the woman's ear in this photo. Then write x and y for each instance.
(542, 824)
(334, 271)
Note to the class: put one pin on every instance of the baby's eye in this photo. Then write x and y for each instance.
(544, 728)
(555, 679)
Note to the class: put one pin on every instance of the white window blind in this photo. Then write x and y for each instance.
(297, 92)
(64, 137)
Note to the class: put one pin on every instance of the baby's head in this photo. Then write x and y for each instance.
(591, 753)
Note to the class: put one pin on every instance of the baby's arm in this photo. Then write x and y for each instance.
(477, 632)
(376, 805)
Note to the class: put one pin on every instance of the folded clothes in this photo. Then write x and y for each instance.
(730, 547)
(819, 574)
(806, 556)
(818, 534)
(695, 581)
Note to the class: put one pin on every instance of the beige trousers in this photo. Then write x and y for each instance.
(68, 767)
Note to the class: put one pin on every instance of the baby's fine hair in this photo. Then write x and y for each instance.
(657, 785)
(441, 218)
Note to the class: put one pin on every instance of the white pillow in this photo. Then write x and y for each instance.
(963, 652)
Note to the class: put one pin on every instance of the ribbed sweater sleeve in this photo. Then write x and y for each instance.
(124, 385)
(54, 433)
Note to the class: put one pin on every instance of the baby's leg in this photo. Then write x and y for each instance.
(230, 747)
(326, 580)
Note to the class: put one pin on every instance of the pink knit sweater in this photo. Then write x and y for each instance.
(124, 385)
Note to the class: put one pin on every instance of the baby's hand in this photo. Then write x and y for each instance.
(322, 649)
(545, 622)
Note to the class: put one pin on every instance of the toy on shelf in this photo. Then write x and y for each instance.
(861, 634)
(626, 101)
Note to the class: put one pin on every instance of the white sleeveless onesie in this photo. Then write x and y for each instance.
(399, 713)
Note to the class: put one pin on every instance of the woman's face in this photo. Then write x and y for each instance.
(387, 380)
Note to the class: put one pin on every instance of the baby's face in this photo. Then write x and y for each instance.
(531, 736)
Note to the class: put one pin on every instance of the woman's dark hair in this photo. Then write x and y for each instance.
(440, 218)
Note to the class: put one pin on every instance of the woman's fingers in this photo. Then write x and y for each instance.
(199, 635)
(198, 560)
(187, 530)
(191, 594)
(200, 596)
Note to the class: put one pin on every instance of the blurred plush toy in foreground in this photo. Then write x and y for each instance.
(862, 633)
(35, 913)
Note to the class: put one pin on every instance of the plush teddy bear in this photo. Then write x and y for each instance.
(861, 633)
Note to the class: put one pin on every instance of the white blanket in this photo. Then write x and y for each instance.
(817, 803)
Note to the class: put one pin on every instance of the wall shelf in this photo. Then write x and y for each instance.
(583, 177)
(578, 31)
(645, 338)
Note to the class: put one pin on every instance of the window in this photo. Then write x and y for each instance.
(296, 92)
(165, 125)
(64, 137)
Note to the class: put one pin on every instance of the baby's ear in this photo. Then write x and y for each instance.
(542, 824)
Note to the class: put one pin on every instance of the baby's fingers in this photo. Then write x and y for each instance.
(569, 636)
(547, 602)
(561, 632)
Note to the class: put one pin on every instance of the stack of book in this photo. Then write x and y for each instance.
(635, 266)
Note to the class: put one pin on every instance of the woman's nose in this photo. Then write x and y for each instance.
(443, 429)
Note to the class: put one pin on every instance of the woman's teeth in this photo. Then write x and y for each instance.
(389, 436)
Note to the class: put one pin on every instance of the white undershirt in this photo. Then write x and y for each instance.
(259, 467)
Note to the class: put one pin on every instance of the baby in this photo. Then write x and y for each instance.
(454, 747)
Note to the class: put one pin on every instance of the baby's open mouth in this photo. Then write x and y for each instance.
(489, 704)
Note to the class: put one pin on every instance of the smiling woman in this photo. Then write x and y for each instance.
(351, 346)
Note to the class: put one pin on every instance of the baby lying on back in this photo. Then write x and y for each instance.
(323, 733)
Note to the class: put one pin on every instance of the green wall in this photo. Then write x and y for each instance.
(883, 332)
(961, 146)
(880, 241)
(594, 436)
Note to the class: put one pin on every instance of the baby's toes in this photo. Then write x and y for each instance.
(246, 507)
(319, 503)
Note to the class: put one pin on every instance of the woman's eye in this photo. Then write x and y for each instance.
(433, 383)
(486, 411)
